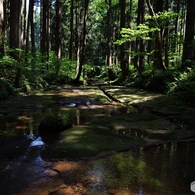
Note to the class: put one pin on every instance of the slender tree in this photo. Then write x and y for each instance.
(83, 43)
(58, 33)
(71, 30)
(2, 33)
(140, 44)
(15, 36)
(45, 22)
(109, 41)
(158, 59)
(123, 48)
(188, 47)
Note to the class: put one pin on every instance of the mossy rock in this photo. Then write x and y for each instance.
(52, 124)
(85, 142)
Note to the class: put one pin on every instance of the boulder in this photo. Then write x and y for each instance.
(53, 124)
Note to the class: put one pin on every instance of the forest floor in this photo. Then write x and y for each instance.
(106, 120)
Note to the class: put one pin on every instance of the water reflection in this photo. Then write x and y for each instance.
(132, 131)
(165, 169)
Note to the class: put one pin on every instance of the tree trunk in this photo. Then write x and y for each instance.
(2, 33)
(140, 44)
(158, 60)
(30, 25)
(188, 48)
(45, 32)
(175, 45)
(109, 42)
(71, 30)
(15, 36)
(166, 41)
(58, 33)
(83, 44)
(123, 54)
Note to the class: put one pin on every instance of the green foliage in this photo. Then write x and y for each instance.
(162, 19)
(183, 86)
(6, 89)
(140, 32)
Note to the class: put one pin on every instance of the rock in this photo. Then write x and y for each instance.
(64, 191)
(53, 124)
(115, 113)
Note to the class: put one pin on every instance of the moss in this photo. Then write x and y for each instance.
(89, 141)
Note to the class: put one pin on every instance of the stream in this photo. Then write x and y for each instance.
(165, 169)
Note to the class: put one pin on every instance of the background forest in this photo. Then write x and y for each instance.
(140, 43)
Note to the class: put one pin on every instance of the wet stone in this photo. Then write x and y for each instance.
(65, 191)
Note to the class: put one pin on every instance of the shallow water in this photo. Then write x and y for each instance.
(164, 169)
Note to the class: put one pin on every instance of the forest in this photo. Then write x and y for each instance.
(147, 44)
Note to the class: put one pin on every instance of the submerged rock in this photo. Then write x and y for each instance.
(53, 124)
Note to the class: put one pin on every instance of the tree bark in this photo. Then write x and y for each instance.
(109, 43)
(2, 32)
(45, 32)
(188, 48)
(58, 33)
(158, 60)
(71, 30)
(123, 54)
(83, 44)
(15, 36)
(140, 44)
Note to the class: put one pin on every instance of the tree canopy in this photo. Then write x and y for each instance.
(142, 43)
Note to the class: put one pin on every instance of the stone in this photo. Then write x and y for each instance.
(65, 191)
(53, 124)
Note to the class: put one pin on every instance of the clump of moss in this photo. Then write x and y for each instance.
(89, 141)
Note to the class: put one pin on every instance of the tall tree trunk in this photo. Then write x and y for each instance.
(140, 44)
(83, 43)
(2, 34)
(30, 25)
(58, 33)
(78, 18)
(188, 48)
(166, 41)
(109, 42)
(24, 22)
(158, 60)
(15, 36)
(71, 30)
(45, 32)
(123, 54)
(175, 45)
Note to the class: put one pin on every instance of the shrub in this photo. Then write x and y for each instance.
(6, 89)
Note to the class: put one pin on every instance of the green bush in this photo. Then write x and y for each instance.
(183, 86)
(6, 89)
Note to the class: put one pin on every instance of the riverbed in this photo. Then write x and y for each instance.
(166, 167)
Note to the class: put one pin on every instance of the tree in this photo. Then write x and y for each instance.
(1, 28)
(140, 44)
(30, 30)
(188, 46)
(71, 30)
(123, 54)
(82, 44)
(58, 33)
(15, 36)
(109, 41)
(45, 27)
(158, 60)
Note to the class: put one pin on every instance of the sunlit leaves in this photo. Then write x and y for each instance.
(162, 19)
(140, 32)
